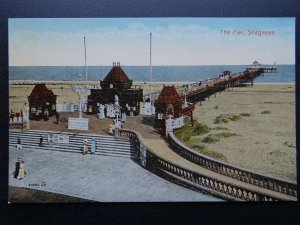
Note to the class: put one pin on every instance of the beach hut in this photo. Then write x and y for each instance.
(116, 83)
(42, 102)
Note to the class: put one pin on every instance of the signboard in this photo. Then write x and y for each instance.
(78, 123)
(147, 109)
(58, 138)
(174, 123)
(178, 122)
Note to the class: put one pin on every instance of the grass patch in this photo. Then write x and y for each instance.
(212, 138)
(226, 118)
(220, 119)
(220, 128)
(188, 135)
(190, 141)
(206, 151)
(186, 132)
(225, 135)
(235, 117)
(266, 112)
(245, 114)
(201, 128)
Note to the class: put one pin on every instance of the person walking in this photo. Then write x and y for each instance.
(93, 146)
(17, 168)
(19, 146)
(41, 141)
(85, 147)
(21, 171)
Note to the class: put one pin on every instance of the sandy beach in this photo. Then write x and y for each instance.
(261, 140)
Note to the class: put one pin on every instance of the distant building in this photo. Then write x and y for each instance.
(115, 83)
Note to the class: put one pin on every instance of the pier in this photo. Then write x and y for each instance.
(201, 90)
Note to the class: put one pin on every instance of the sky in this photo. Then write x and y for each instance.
(175, 41)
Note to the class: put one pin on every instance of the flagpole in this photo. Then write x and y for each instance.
(150, 69)
(85, 60)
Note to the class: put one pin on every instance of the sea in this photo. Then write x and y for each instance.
(284, 74)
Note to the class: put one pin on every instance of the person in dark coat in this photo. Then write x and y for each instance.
(41, 141)
(17, 168)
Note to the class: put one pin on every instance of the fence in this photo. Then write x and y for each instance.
(188, 177)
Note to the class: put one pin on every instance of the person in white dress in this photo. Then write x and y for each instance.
(21, 171)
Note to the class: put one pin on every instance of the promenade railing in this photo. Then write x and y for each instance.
(188, 177)
(245, 175)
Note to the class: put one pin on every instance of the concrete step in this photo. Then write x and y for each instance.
(100, 151)
(75, 144)
(45, 136)
(101, 139)
(106, 145)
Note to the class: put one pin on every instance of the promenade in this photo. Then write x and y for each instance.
(95, 177)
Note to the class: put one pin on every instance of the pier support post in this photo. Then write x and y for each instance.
(252, 82)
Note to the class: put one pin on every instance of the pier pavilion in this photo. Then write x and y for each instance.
(171, 103)
(116, 83)
(42, 102)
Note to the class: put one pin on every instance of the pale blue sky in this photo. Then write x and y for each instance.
(175, 41)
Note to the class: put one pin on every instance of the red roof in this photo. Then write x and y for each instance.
(116, 75)
(169, 95)
(41, 91)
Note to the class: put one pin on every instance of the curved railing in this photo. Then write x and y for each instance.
(189, 177)
(238, 173)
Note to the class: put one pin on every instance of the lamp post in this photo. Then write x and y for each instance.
(26, 111)
(81, 91)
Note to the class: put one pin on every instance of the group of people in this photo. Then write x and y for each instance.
(86, 146)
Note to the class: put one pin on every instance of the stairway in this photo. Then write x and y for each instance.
(106, 145)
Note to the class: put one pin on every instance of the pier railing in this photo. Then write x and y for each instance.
(226, 169)
(190, 178)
